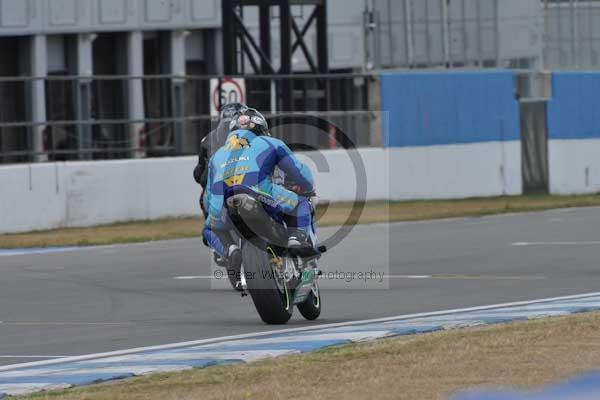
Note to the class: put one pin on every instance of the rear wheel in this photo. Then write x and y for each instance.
(311, 307)
(267, 287)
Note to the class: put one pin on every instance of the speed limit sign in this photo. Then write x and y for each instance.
(231, 90)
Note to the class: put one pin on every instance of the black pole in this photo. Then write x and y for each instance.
(230, 66)
(285, 35)
(322, 45)
(265, 37)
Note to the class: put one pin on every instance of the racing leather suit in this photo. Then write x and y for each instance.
(250, 160)
(208, 147)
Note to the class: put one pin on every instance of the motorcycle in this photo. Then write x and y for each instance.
(275, 277)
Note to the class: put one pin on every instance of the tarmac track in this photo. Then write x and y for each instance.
(113, 298)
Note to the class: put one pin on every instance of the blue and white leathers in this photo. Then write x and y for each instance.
(250, 160)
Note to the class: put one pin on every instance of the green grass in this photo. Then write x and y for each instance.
(335, 214)
(429, 366)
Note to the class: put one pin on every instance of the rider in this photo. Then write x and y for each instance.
(250, 157)
(212, 142)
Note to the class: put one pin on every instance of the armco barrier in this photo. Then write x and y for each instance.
(574, 133)
(46, 196)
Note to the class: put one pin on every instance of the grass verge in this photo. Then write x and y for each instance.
(431, 366)
(333, 215)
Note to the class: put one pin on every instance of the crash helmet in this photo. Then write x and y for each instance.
(232, 110)
(251, 120)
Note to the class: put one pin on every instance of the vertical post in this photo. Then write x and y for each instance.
(479, 34)
(322, 38)
(446, 32)
(83, 95)
(407, 33)
(265, 44)
(135, 90)
(539, 23)
(374, 106)
(427, 33)
(572, 29)
(575, 34)
(590, 33)
(178, 68)
(411, 32)
(559, 39)
(378, 35)
(285, 35)
(265, 36)
(323, 50)
(229, 38)
(390, 34)
(545, 36)
(497, 31)
(463, 22)
(37, 94)
(369, 36)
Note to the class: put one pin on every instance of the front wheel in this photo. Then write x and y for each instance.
(268, 289)
(311, 307)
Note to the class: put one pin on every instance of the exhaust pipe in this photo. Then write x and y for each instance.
(241, 201)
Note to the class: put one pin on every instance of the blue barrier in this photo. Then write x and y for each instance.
(573, 109)
(436, 108)
(586, 387)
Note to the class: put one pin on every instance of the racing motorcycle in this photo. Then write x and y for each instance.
(275, 277)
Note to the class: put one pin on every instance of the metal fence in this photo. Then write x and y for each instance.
(91, 117)
(572, 34)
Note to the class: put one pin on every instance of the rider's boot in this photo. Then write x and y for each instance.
(234, 257)
(234, 266)
(299, 245)
(220, 261)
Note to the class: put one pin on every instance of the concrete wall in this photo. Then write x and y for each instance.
(456, 171)
(451, 134)
(574, 166)
(45, 196)
(428, 172)
(574, 133)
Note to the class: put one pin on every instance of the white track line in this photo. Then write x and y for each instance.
(195, 277)
(289, 330)
(192, 277)
(9, 356)
(524, 244)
